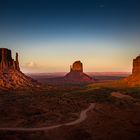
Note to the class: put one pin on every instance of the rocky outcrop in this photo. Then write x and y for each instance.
(76, 74)
(136, 65)
(10, 75)
(134, 78)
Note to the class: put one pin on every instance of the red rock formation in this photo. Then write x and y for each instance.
(76, 74)
(77, 66)
(134, 78)
(10, 75)
(136, 65)
(6, 61)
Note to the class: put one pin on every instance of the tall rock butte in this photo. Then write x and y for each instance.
(136, 65)
(134, 78)
(76, 74)
(77, 67)
(6, 61)
(10, 75)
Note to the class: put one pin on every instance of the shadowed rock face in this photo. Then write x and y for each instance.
(76, 74)
(6, 61)
(77, 66)
(10, 75)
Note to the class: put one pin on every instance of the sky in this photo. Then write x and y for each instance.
(50, 35)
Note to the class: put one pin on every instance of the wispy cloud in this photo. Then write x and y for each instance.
(31, 65)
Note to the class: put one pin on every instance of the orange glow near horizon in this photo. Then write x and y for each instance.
(57, 57)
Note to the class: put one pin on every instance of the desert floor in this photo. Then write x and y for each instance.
(116, 114)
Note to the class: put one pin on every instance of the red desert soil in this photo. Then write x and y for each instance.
(105, 122)
(82, 117)
(112, 119)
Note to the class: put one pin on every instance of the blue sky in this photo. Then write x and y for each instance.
(51, 34)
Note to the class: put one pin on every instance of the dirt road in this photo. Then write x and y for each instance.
(82, 117)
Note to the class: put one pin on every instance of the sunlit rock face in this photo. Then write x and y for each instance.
(10, 75)
(76, 74)
(136, 65)
(134, 78)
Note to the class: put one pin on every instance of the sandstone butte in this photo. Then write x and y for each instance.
(11, 76)
(76, 74)
(134, 78)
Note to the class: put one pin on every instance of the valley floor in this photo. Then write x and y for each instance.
(115, 115)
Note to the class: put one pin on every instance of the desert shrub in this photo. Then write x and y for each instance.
(134, 92)
(79, 134)
(95, 95)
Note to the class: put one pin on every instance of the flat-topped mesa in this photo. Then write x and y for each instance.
(76, 67)
(6, 61)
(136, 65)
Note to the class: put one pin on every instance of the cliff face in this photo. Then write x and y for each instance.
(76, 74)
(77, 66)
(10, 75)
(134, 78)
(6, 61)
(136, 65)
